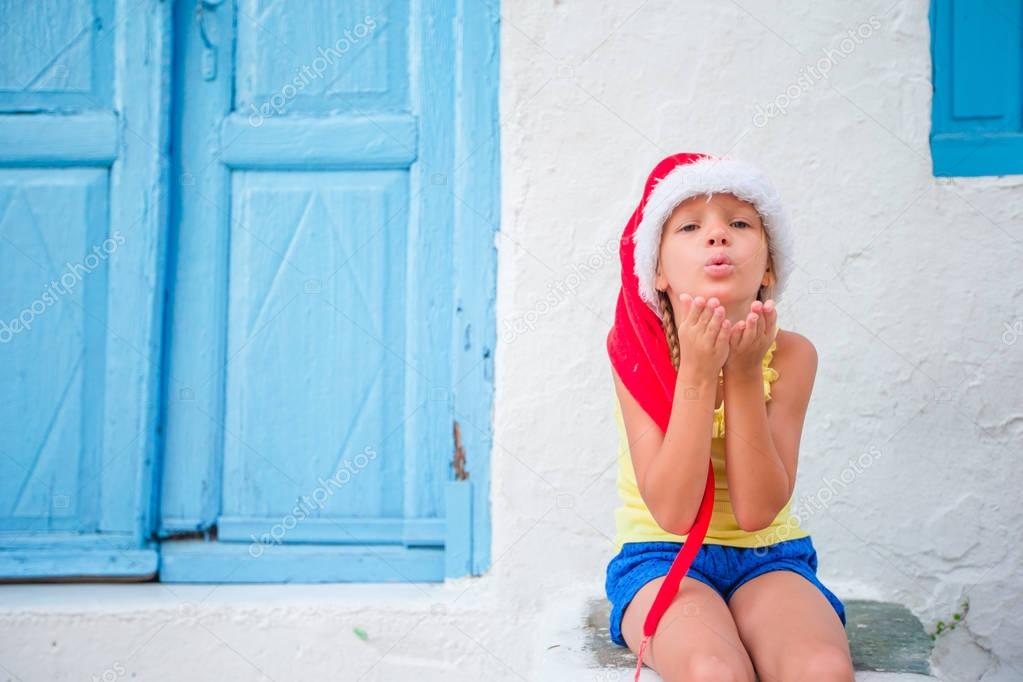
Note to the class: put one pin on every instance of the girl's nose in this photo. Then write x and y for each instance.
(717, 235)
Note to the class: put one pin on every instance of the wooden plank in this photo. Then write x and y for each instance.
(429, 304)
(63, 540)
(134, 314)
(300, 142)
(196, 561)
(37, 564)
(458, 540)
(972, 155)
(56, 140)
(475, 182)
(193, 399)
(341, 530)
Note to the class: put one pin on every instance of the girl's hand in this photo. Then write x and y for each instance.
(702, 334)
(750, 338)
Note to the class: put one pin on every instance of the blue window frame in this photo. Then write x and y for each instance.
(977, 74)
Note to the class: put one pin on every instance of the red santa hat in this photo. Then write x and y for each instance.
(693, 174)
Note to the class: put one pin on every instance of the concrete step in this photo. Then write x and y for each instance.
(888, 644)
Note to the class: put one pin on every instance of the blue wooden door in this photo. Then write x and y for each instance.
(81, 234)
(323, 338)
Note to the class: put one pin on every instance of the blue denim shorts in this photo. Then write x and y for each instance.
(723, 567)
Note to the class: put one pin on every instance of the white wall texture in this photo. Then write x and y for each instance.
(908, 285)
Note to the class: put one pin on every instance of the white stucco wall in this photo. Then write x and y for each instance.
(908, 286)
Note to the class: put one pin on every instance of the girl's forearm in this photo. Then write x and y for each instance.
(757, 481)
(675, 480)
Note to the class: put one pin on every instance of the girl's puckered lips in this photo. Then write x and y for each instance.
(719, 265)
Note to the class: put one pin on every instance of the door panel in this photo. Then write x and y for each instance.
(51, 423)
(57, 55)
(81, 234)
(322, 56)
(315, 332)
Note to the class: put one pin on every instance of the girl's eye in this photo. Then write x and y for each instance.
(742, 224)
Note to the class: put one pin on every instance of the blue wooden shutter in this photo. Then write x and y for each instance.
(335, 161)
(80, 237)
(977, 60)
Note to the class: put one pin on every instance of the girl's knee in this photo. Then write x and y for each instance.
(708, 667)
(825, 664)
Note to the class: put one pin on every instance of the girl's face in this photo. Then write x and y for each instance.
(699, 229)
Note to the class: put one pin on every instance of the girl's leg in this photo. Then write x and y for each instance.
(696, 638)
(791, 630)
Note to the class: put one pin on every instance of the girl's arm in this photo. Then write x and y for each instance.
(671, 467)
(762, 437)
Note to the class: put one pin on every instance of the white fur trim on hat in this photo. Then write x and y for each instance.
(710, 176)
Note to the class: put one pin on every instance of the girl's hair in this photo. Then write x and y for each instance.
(668, 313)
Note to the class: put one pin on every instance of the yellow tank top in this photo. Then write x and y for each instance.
(635, 523)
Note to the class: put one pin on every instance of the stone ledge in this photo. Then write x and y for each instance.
(95, 599)
(888, 644)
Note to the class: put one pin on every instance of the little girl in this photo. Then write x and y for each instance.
(704, 258)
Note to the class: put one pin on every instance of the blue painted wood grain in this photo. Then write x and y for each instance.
(327, 253)
(349, 142)
(72, 140)
(58, 56)
(54, 315)
(977, 71)
(316, 339)
(324, 57)
(337, 530)
(82, 220)
(197, 295)
(333, 281)
(477, 187)
(193, 561)
(458, 540)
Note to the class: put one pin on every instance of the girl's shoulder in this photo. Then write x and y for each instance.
(795, 356)
(790, 342)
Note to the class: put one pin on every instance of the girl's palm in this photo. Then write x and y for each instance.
(750, 338)
(703, 333)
